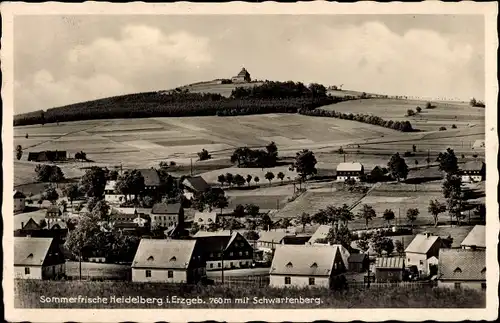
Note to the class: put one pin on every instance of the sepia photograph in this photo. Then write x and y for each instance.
(239, 159)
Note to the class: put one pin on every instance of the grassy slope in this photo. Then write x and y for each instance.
(28, 295)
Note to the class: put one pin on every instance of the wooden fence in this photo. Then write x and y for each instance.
(248, 281)
(414, 284)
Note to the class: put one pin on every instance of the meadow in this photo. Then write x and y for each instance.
(28, 293)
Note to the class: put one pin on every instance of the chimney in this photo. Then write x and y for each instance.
(427, 234)
(22, 225)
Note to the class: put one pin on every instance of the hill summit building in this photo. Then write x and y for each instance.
(242, 77)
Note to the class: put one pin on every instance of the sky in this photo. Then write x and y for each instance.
(60, 60)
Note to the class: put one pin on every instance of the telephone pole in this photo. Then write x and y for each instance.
(222, 261)
(191, 166)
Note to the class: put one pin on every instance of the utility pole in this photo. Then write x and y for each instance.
(191, 166)
(222, 261)
(368, 282)
(344, 157)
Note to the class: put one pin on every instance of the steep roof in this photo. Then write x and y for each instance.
(151, 177)
(476, 237)
(357, 257)
(196, 183)
(159, 253)
(205, 218)
(19, 194)
(309, 260)
(164, 208)
(462, 264)
(320, 233)
(30, 251)
(23, 218)
(472, 165)
(389, 262)
(222, 233)
(349, 167)
(217, 241)
(243, 72)
(422, 243)
(272, 236)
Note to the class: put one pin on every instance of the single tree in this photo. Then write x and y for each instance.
(248, 179)
(269, 176)
(238, 180)
(229, 179)
(397, 167)
(400, 248)
(363, 243)
(266, 223)
(414, 148)
(19, 152)
(448, 162)
(71, 192)
(435, 208)
(285, 223)
(388, 246)
(304, 219)
(239, 211)
(50, 194)
(93, 182)
(305, 164)
(320, 217)
(256, 179)
(221, 179)
(281, 176)
(131, 183)
(341, 236)
(411, 215)
(367, 213)
(251, 235)
(480, 211)
(389, 216)
(252, 210)
(101, 210)
(419, 109)
(410, 113)
(343, 214)
(204, 155)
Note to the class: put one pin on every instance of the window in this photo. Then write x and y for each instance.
(421, 262)
(211, 255)
(458, 285)
(408, 259)
(288, 280)
(170, 274)
(231, 254)
(246, 253)
(219, 255)
(218, 264)
(240, 253)
(26, 270)
(211, 265)
(311, 280)
(483, 286)
(148, 273)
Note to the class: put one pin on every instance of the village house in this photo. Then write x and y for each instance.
(224, 249)
(473, 171)
(476, 239)
(205, 219)
(110, 193)
(47, 156)
(151, 179)
(349, 170)
(418, 252)
(19, 201)
(358, 262)
(38, 258)
(164, 215)
(193, 185)
(139, 217)
(168, 261)
(269, 239)
(389, 269)
(320, 234)
(242, 77)
(462, 268)
(53, 212)
(305, 266)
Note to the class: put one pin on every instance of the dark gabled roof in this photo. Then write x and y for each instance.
(164, 208)
(472, 165)
(357, 257)
(389, 263)
(19, 194)
(151, 177)
(462, 264)
(196, 183)
(30, 251)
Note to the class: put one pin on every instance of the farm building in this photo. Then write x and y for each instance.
(422, 247)
(151, 179)
(349, 170)
(224, 248)
(297, 238)
(476, 239)
(320, 233)
(269, 239)
(125, 219)
(305, 265)
(242, 77)
(205, 219)
(165, 215)
(170, 261)
(53, 212)
(19, 201)
(461, 268)
(358, 262)
(478, 144)
(37, 258)
(473, 171)
(193, 185)
(110, 194)
(47, 156)
(389, 269)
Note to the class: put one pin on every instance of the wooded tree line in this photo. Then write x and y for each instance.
(289, 89)
(404, 126)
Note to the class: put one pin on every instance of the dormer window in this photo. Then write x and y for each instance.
(457, 270)
(314, 265)
(173, 259)
(151, 258)
(289, 265)
(483, 271)
(30, 256)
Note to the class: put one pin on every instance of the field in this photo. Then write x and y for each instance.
(92, 270)
(28, 293)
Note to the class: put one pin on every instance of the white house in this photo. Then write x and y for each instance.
(349, 170)
(167, 261)
(242, 77)
(305, 265)
(164, 215)
(420, 250)
(476, 239)
(110, 194)
(19, 201)
(38, 258)
(473, 171)
(462, 268)
(320, 233)
(205, 219)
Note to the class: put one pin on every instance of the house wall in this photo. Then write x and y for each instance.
(35, 272)
(344, 178)
(236, 263)
(471, 178)
(463, 284)
(52, 271)
(388, 275)
(419, 260)
(19, 204)
(298, 281)
(475, 247)
(164, 220)
(159, 275)
(113, 198)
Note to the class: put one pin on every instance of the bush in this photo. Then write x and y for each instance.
(419, 109)
(410, 113)
(408, 154)
(442, 128)
(204, 155)
(453, 126)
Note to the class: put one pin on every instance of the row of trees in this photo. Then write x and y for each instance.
(403, 126)
(246, 157)
(476, 103)
(270, 89)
